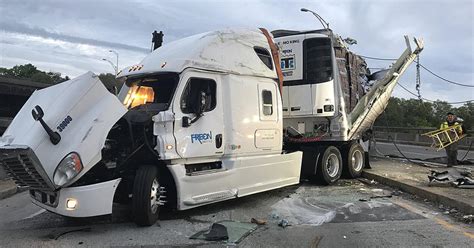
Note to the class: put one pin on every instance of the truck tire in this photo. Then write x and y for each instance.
(146, 196)
(354, 161)
(330, 166)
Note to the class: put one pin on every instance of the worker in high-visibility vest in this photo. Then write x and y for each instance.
(452, 150)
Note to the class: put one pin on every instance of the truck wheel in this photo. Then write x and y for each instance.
(330, 166)
(354, 161)
(146, 196)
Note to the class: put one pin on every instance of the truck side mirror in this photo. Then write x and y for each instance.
(37, 113)
(186, 122)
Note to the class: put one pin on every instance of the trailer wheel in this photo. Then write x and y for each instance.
(354, 161)
(330, 166)
(146, 196)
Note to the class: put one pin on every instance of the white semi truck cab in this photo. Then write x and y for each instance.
(199, 120)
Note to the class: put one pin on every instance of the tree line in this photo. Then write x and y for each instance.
(416, 113)
(399, 112)
(30, 72)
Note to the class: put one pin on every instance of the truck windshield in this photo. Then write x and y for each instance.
(157, 89)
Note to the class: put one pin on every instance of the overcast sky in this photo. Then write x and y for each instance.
(72, 37)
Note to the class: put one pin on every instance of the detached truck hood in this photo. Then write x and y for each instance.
(90, 112)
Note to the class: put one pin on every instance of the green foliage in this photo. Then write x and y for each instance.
(30, 72)
(110, 82)
(416, 113)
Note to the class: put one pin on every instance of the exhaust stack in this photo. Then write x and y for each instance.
(157, 40)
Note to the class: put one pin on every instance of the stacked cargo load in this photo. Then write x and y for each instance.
(353, 72)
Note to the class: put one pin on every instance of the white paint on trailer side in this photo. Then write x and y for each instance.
(323, 94)
(300, 99)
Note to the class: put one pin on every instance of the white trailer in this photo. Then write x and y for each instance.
(199, 120)
(327, 105)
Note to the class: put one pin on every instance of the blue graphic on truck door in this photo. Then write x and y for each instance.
(201, 137)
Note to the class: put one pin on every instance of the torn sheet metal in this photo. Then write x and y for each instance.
(370, 106)
(460, 179)
(231, 231)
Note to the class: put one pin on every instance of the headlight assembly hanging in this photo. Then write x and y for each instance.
(67, 169)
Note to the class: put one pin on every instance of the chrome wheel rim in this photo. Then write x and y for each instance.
(357, 160)
(154, 196)
(332, 165)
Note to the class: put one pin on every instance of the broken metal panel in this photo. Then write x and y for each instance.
(374, 102)
(460, 179)
(83, 100)
(233, 232)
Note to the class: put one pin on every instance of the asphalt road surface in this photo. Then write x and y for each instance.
(418, 152)
(349, 214)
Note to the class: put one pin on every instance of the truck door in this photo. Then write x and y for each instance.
(199, 125)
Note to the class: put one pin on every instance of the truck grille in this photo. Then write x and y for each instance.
(22, 165)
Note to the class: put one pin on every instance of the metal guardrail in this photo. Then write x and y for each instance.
(409, 135)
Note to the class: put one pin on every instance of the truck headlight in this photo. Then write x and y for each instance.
(67, 169)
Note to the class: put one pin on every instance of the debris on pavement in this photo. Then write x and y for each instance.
(366, 181)
(258, 221)
(231, 231)
(468, 218)
(283, 223)
(461, 179)
(466, 183)
(381, 196)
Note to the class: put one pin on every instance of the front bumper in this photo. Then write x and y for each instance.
(91, 200)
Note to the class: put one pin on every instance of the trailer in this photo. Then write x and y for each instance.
(199, 120)
(330, 101)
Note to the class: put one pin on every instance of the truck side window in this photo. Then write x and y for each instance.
(195, 89)
(267, 102)
(264, 56)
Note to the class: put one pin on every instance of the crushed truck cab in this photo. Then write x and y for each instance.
(81, 111)
(199, 120)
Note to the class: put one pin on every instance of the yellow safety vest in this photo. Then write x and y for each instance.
(446, 125)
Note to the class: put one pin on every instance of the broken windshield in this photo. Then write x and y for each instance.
(157, 89)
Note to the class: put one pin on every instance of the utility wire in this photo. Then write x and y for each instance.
(449, 81)
(428, 100)
(375, 58)
(422, 66)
